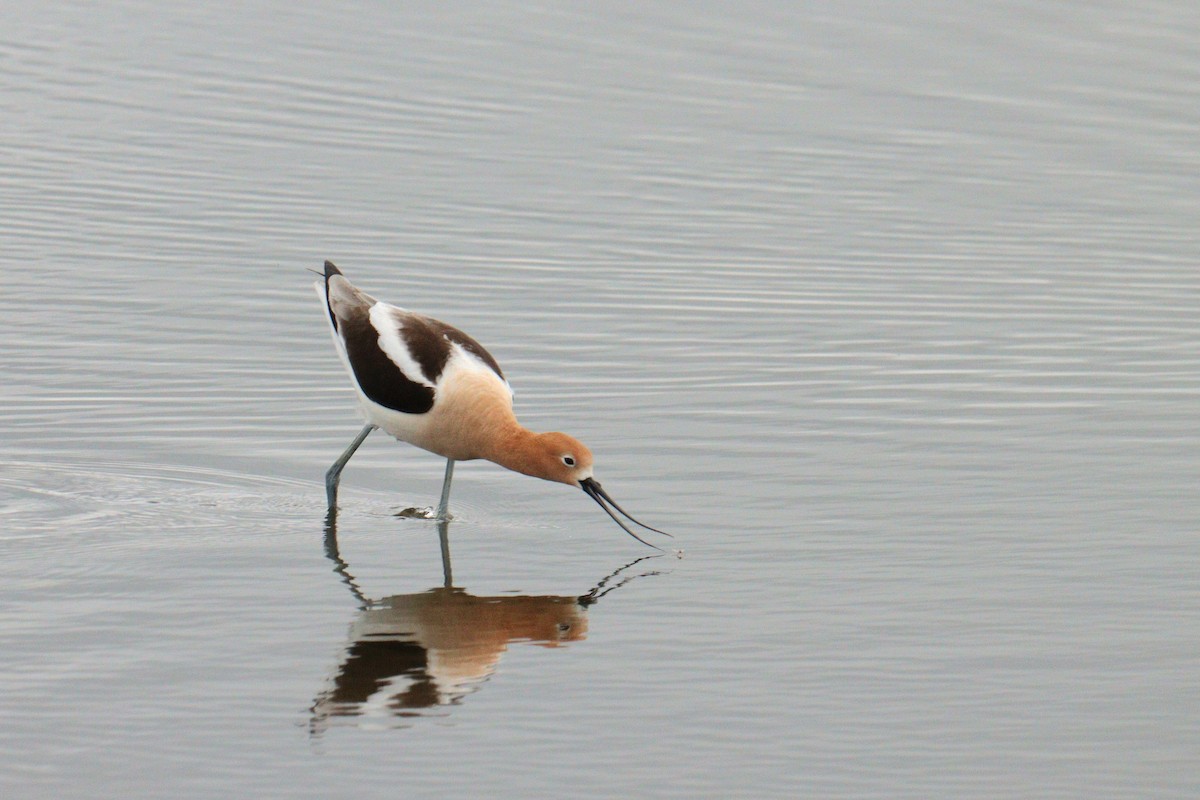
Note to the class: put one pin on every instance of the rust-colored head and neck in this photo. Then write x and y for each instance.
(561, 458)
(549, 456)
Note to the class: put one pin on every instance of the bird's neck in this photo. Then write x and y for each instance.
(514, 447)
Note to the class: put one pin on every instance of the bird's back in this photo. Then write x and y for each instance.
(406, 365)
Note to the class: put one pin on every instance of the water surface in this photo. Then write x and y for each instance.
(891, 316)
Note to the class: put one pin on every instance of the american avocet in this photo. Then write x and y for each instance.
(431, 385)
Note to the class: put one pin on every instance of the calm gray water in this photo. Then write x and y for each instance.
(891, 316)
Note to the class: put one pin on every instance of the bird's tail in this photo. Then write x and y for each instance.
(323, 290)
(343, 300)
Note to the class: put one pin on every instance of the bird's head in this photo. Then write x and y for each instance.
(565, 459)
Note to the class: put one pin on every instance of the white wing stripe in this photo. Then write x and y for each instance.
(388, 325)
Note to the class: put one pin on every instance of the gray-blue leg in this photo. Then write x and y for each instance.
(335, 472)
(443, 527)
(443, 509)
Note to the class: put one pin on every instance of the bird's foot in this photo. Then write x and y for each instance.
(427, 512)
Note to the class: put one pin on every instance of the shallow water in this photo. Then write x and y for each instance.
(892, 317)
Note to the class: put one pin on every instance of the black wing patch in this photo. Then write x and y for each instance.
(425, 343)
(448, 334)
(377, 375)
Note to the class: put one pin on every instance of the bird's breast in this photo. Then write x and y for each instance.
(471, 412)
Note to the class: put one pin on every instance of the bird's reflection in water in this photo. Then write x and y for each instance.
(420, 654)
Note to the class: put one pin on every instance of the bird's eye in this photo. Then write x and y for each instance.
(569, 461)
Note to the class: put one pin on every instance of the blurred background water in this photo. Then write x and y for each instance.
(890, 314)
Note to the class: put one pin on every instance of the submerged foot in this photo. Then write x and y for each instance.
(427, 512)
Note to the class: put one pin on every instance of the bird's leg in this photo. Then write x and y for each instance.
(443, 527)
(335, 472)
(443, 509)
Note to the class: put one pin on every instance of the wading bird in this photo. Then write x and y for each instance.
(431, 385)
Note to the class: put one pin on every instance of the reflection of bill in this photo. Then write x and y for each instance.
(419, 654)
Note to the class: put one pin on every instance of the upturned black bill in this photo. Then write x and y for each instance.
(594, 490)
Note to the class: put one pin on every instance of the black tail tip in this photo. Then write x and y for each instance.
(331, 270)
